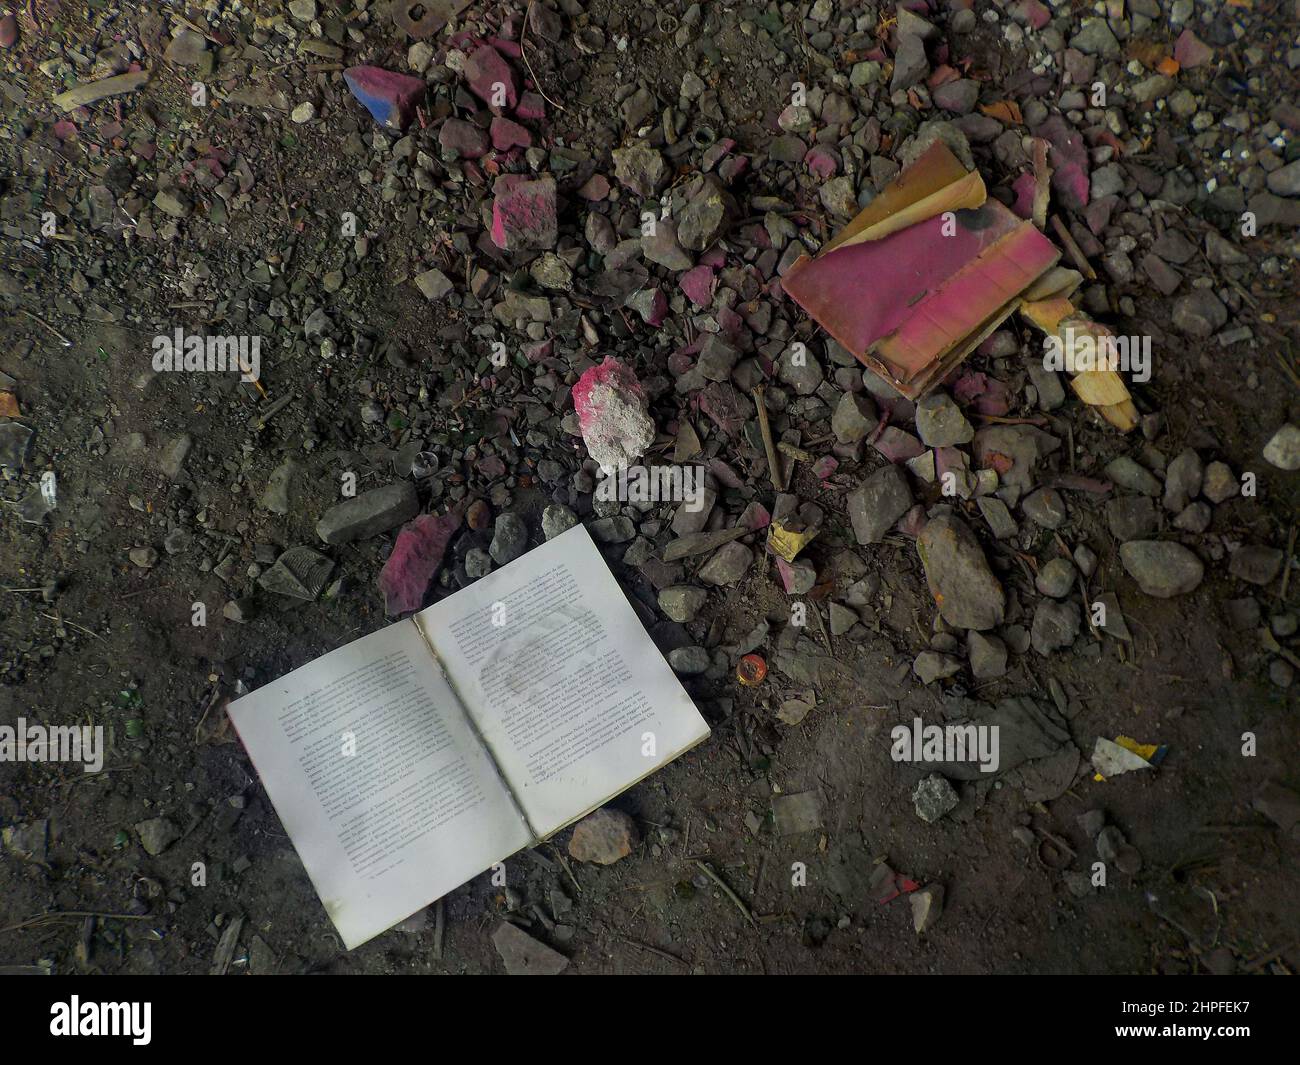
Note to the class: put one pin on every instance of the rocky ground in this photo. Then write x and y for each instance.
(430, 277)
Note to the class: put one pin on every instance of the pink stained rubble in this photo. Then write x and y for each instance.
(416, 556)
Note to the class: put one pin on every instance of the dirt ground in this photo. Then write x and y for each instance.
(90, 636)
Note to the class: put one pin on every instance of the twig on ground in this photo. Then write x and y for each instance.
(726, 890)
(523, 51)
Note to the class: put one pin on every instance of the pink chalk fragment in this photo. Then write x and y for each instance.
(724, 405)
(730, 323)
(523, 212)
(996, 401)
(715, 152)
(970, 383)
(825, 466)
(390, 98)
(1069, 159)
(506, 47)
(755, 517)
(821, 162)
(416, 556)
(463, 138)
(913, 522)
(492, 79)
(788, 579)
(1191, 51)
(1024, 187)
(595, 188)
(539, 350)
(897, 446)
(698, 285)
(507, 134)
(532, 108)
(732, 167)
(1031, 13)
(651, 304)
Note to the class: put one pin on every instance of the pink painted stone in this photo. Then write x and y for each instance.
(821, 162)
(416, 556)
(506, 47)
(486, 70)
(651, 304)
(463, 138)
(507, 134)
(996, 401)
(611, 406)
(1191, 52)
(729, 478)
(714, 257)
(725, 406)
(523, 212)
(756, 517)
(595, 188)
(1069, 158)
(756, 235)
(715, 152)
(1023, 187)
(825, 466)
(949, 460)
(970, 383)
(787, 575)
(897, 446)
(1031, 12)
(698, 284)
(532, 108)
(731, 323)
(913, 522)
(390, 98)
(732, 167)
(8, 30)
(680, 362)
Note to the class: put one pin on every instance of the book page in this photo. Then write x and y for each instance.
(376, 773)
(563, 683)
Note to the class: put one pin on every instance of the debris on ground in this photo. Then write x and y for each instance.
(989, 380)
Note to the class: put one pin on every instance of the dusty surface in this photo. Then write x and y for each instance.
(109, 642)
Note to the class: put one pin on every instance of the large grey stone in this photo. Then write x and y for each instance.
(682, 602)
(964, 588)
(877, 503)
(728, 565)
(369, 514)
(1162, 568)
(940, 422)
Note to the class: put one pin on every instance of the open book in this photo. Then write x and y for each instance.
(409, 761)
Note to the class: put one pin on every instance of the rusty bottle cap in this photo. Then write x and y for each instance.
(751, 670)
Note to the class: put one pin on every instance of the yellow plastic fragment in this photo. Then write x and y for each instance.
(786, 541)
(1142, 750)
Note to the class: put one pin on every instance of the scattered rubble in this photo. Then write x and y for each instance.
(495, 254)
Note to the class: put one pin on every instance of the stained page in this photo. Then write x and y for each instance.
(379, 779)
(564, 684)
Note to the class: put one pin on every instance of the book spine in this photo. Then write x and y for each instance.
(478, 735)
